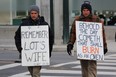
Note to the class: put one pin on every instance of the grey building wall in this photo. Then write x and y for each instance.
(44, 6)
(58, 21)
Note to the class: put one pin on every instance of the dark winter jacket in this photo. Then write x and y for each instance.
(29, 22)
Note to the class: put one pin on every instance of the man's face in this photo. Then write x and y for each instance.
(86, 12)
(34, 15)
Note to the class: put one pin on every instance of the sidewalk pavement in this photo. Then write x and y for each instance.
(9, 45)
(9, 53)
(111, 44)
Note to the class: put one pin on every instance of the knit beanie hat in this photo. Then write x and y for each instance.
(33, 8)
(86, 5)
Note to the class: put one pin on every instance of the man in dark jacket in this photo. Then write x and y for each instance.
(89, 67)
(33, 19)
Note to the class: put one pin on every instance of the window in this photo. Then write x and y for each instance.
(12, 10)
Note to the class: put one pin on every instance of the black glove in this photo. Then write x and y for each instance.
(69, 48)
(105, 50)
(19, 49)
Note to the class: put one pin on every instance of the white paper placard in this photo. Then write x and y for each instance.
(35, 44)
(89, 39)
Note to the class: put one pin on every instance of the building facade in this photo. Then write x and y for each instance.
(58, 13)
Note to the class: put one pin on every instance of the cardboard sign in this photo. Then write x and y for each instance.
(35, 44)
(89, 39)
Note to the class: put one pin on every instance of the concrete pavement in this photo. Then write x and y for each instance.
(10, 45)
(9, 53)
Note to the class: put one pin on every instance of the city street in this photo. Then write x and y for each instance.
(32, 26)
(62, 65)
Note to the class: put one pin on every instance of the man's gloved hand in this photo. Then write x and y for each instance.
(69, 48)
(19, 49)
(105, 50)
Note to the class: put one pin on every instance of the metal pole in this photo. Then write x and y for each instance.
(51, 16)
(65, 21)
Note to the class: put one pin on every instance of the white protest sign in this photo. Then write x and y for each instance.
(35, 44)
(89, 39)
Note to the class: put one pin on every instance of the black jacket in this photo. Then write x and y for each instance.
(26, 22)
